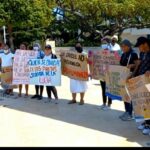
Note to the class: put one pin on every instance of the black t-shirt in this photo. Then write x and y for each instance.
(126, 56)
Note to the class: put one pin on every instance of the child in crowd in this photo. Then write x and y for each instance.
(50, 55)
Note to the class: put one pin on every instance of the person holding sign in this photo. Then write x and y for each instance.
(23, 46)
(50, 55)
(78, 86)
(6, 60)
(128, 58)
(144, 68)
(37, 47)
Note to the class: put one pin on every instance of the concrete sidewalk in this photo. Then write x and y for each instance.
(25, 122)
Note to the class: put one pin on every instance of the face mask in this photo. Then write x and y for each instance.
(35, 48)
(79, 49)
(6, 51)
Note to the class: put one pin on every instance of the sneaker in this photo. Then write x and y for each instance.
(35, 96)
(106, 108)
(142, 126)
(127, 117)
(124, 114)
(146, 130)
(102, 106)
(39, 98)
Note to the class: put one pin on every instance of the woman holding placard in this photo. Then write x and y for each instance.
(77, 86)
(128, 58)
(23, 46)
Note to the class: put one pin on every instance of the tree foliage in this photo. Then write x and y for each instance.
(33, 19)
(97, 18)
(25, 18)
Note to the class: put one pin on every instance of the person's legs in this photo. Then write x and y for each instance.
(37, 89)
(27, 89)
(41, 90)
(128, 115)
(20, 90)
(82, 98)
(73, 98)
(48, 89)
(103, 86)
(54, 90)
(37, 92)
(109, 102)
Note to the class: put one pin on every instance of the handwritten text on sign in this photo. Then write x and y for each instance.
(139, 90)
(74, 65)
(20, 66)
(101, 60)
(45, 72)
(115, 81)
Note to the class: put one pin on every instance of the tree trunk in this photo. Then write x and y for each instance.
(10, 30)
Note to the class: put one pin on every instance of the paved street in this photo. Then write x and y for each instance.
(26, 122)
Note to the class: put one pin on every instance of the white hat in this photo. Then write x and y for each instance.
(115, 37)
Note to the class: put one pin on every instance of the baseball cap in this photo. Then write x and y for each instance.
(141, 40)
(48, 46)
(126, 42)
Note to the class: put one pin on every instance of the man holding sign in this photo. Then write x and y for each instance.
(144, 68)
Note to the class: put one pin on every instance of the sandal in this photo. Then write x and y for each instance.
(72, 102)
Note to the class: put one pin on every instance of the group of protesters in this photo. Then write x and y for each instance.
(138, 65)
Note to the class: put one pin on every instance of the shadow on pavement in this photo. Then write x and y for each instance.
(88, 116)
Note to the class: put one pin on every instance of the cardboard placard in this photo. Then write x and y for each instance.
(6, 78)
(101, 60)
(139, 90)
(45, 72)
(20, 66)
(74, 65)
(116, 81)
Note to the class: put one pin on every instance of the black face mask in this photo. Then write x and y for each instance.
(79, 49)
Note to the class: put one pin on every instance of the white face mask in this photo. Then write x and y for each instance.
(36, 48)
(6, 51)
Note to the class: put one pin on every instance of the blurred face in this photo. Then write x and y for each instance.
(6, 49)
(125, 48)
(48, 51)
(114, 40)
(144, 47)
(22, 47)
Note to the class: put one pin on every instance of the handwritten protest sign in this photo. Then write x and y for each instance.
(115, 82)
(6, 78)
(45, 72)
(20, 66)
(139, 90)
(100, 62)
(74, 65)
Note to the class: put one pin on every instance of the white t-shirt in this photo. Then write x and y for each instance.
(7, 59)
(115, 47)
(48, 57)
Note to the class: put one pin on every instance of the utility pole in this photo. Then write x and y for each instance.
(4, 34)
